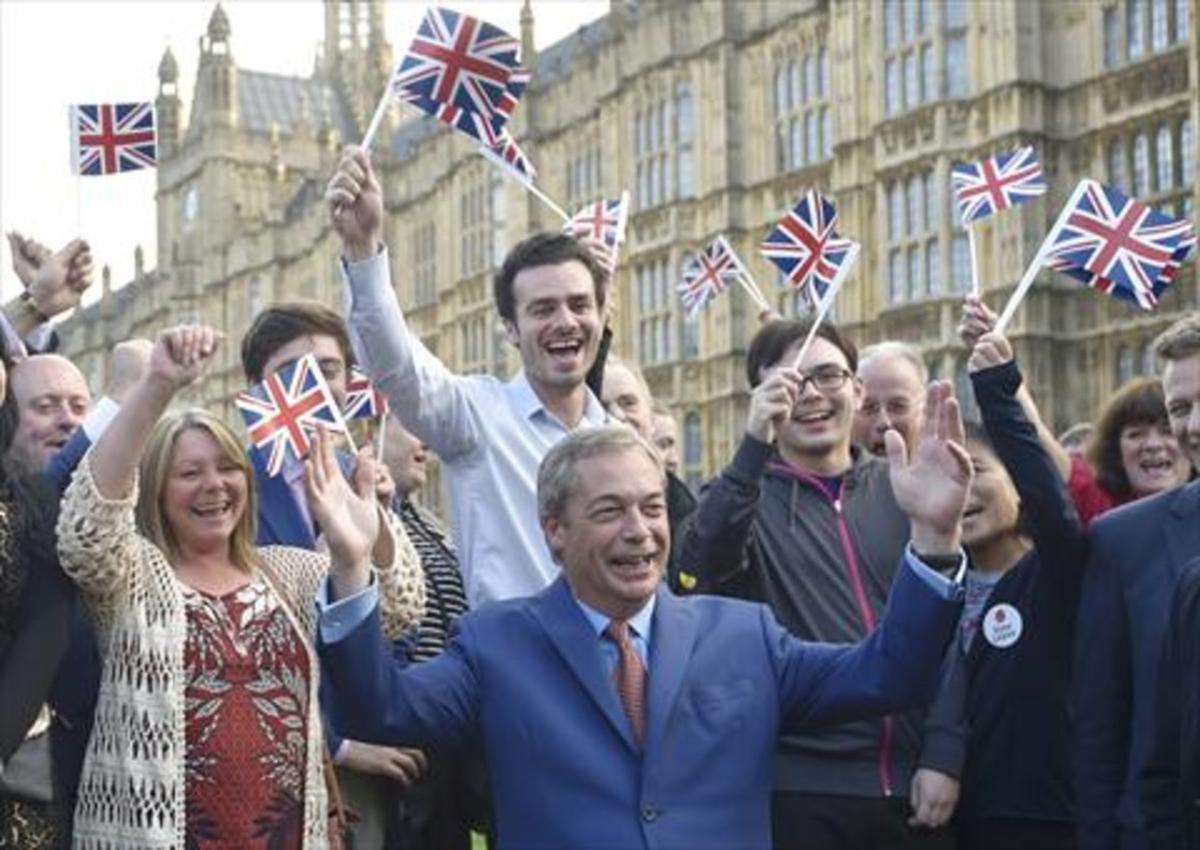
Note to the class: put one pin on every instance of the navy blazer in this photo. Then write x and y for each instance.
(1136, 555)
(525, 678)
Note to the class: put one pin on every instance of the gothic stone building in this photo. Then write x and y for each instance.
(716, 116)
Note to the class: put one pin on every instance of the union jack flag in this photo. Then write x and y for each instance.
(463, 71)
(603, 219)
(1118, 244)
(363, 399)
(708, 274)
(507, 154)
(997, 183)
(108, 138)
(805, 246)
(280, 409)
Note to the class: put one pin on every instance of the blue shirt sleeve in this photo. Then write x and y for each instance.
(950, 589)
(338, 619)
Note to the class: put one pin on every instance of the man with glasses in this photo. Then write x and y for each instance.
(806, 522)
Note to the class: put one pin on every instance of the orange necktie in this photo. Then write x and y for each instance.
(629, 677)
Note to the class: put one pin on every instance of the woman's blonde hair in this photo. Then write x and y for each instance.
(152, 476)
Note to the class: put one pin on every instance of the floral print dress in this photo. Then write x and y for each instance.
(246, 708)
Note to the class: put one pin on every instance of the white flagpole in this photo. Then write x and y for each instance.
(490, 155)
(1031, 272)
(827, 302)
(974, 259)
(377, 118)
(748, 283)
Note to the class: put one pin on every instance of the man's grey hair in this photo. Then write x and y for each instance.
(1181, 340)
(634, 370)
(557, 477)
(895, 348)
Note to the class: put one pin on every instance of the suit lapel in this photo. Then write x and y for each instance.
(1183, 526)
(572, 635)
(671, 643)
(281, 519)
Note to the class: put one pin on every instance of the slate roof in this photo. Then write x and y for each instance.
(265, 99)
(558, 60)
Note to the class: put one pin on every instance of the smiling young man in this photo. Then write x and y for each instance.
(490, 435)
(808, 523)
(612, 713)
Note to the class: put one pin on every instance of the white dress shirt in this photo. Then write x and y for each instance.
(491, 437)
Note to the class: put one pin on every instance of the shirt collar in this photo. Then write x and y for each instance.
(528, 404)
(640, 622)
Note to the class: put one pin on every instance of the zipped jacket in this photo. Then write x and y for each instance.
(769, 532)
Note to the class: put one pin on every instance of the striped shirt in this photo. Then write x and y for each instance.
(445, 599)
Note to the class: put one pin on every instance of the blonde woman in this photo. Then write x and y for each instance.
(208, 729)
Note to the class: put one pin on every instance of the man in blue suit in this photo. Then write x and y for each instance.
(613, 714)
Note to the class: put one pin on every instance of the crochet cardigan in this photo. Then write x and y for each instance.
(131, 794)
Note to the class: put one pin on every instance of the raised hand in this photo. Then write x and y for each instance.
(931, 486)
(992, 349)
(771, 404)
(61, 278)
(355, 204)
(181, 355)
(27, 256)
(977, 319)
(129, 360)
(348, 516)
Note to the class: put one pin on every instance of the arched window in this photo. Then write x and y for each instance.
(1141, 165)
(795, 85)
(1116, 165)
(1187, 152)
(823, 73)
(826, 133)
(1147, 362)
(1164, 164)
(1125, 364)
(693, 450)
(781, 91)
(797, 133)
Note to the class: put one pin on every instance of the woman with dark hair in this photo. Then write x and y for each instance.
(1132, 452)
(1008, 678)
(35, 601)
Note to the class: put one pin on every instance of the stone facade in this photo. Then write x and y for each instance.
(716, 116)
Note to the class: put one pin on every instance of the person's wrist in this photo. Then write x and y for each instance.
(36, 310)
(357, 250)
(931, 541)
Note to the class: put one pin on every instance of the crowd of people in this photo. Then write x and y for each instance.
(878, 626)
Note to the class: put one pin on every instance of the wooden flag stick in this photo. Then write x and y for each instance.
(1031, 272)
(747, 281)
(827, 301)
(544, 198)
(974, 259)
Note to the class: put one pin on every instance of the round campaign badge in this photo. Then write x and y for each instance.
(1002, 625)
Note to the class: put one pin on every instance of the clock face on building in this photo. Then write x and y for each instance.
(191, 205)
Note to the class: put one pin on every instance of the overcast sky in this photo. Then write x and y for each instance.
(57, 52)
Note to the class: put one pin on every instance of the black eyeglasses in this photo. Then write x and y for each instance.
(827, 379)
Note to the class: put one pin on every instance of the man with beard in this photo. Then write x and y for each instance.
(491, 435)
(1137, 555)
(808, 523)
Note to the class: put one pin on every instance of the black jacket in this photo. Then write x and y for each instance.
(1016, 698)
(766, 532)
(1171, 776)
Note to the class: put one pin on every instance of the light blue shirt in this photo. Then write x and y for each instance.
(491, 437)
(639, 633)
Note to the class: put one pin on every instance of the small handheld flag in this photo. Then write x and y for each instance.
(604, 220)
(279, 411)
(997, 183)
(805, 246)
(508, 156)
(1119, 245)
(706, 275)
(464, 71)
(363, 399)
(109, 138)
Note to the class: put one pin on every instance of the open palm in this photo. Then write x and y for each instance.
(931, 485)
(348, 516)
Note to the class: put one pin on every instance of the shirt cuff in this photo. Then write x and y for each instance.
(946, 588)
(367, 280)
(99, 418)
(12, 340)
(338, 619)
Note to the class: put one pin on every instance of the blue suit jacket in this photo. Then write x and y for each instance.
(525, 678)
(1136, 555)
(280, 520)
